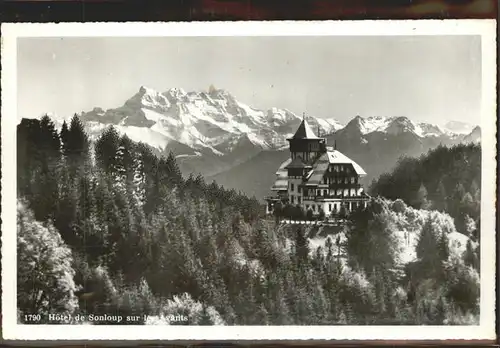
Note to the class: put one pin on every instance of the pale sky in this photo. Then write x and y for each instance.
(426, 78)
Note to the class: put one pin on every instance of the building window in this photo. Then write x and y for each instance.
(314, 207)
(352, 180)
(291, 187)
(307, 206)
(292, 199)
(298, 189)
(325, 192)
(346, 180)
(329, 206)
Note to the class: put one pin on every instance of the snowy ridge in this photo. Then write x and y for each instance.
(213, 121)
(397, 125)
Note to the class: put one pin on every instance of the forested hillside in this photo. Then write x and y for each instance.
(110, 229)
(446, 179)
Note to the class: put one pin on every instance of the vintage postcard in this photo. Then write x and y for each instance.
(249, 180)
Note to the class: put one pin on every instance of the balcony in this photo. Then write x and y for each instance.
(361, 197)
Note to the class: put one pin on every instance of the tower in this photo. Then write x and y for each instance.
(305, 144)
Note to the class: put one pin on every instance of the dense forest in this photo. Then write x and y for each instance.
(447, 179)
(108, 228)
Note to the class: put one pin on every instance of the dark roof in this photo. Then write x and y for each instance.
(281, 183)
(304, 132)
(297, 162)
(319, 169)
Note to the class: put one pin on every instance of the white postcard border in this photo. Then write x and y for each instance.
(485, 28)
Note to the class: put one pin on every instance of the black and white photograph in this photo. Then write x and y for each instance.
(266, 180)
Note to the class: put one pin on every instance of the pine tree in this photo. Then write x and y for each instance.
(172, 169)
(77, 147)
(420, 200)
(441, 197)
(106, 148)
(444, 249)
(301, 247)
(427, 247)
(50, 143)
(65, 140)
(470, 258)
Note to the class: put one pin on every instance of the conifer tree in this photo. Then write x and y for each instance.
(421, 201)
(301, 247)
(427, 247)
(65, 141)
(469, 256)
(106, 148)
(77, 147)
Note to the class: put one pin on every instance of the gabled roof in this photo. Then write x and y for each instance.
(304, 132)
(297, 162)
(331, 157)
(338, 157)
(281, 183)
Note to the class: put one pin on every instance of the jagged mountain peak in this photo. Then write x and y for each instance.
(473, 136)
(147, 97)
(175, 94)
(400, 124)
(356, 125)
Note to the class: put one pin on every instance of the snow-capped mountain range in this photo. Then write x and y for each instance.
(215, 121)
(394, 125)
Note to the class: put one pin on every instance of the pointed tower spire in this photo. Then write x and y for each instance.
(303, 116)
